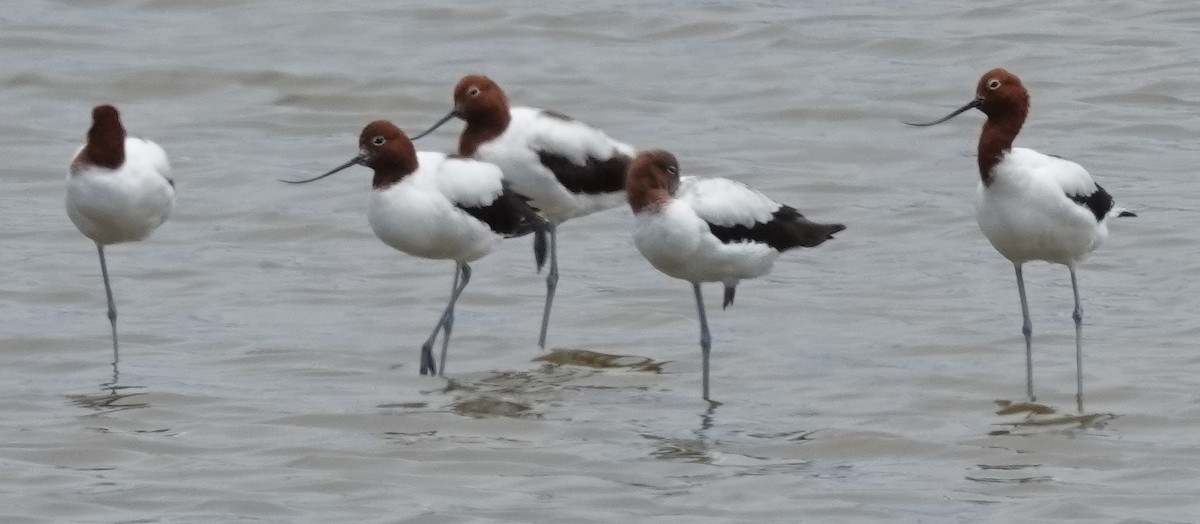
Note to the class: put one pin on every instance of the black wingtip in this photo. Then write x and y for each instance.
(787, 229)
(729, 291)
(814, 234)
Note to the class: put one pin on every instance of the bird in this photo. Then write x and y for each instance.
(437, 206)
(1033, 206)
(710, 230)
(118, 191)
(564, 167)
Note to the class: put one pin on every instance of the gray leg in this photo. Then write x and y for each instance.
(447, 321)
(551, 284)
(1078, 316)
(428, 367)
(465, 270)
(1027, 329)
(705, 338)
(116, 376)
(112, 306)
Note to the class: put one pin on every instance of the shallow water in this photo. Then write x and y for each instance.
(268, 366)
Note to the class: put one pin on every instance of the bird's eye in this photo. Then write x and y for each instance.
(993, 84)
(472, 91)
(379, 140)
(672, 170)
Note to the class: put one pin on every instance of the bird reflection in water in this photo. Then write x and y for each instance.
(114, 396)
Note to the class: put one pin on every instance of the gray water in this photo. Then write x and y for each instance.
(268, 368)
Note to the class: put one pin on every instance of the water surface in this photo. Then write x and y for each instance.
(268, 368)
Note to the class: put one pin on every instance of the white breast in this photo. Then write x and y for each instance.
(125, 204)
(677, 242)
(1026, 215)
(416, 216)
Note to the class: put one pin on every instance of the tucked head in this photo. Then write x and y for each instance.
(652, 178)
(106, 114)
(105, 139)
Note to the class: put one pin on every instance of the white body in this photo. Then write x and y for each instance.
(676, 239)
(125, 204)
(419, 216)
(530, 131)
(1026, 214)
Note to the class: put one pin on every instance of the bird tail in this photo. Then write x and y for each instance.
(1116, 212)
(790, 229)
(812, 234)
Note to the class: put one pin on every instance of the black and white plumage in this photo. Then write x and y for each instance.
(118, 190)
(1041, 207)
(566, 168)
(431, 205)
(710, 230)
(1033, 206)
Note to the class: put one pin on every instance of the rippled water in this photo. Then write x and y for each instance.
(269, 359)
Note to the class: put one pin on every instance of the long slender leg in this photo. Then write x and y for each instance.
(705, 338)
(1078, 316)
(112, 306)
(551, 284)
(465, 270)
(428, 367)
(1027, 329)
(447, 321)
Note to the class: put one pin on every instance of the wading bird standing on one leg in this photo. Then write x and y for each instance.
(117, 191)
(711, 230)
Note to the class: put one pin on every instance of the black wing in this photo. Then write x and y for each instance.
(510, 215)
(786, 229)
(1099, 202)
(594, 177)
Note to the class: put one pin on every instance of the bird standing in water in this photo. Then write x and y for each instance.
(710, 230)
(431, 205)
(118, 190)
(565, 168)
(1033, 206)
